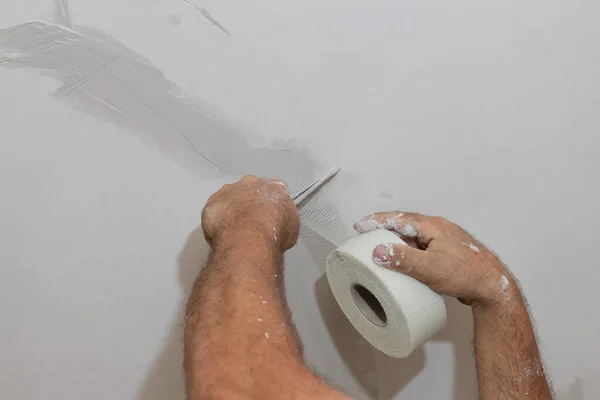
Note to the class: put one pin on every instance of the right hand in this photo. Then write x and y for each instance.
(260, 209)
(441, 255)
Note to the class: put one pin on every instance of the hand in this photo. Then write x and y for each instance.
(441, 255)
(252, 207)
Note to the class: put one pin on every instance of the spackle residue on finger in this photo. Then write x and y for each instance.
(259, 319)
(395, 223)
(267, 335)
(392, 222)
(407, 230)
(390, 249)
(368, 225)
(504, 283)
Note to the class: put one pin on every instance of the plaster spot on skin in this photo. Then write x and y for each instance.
(264, 302)
(398, 262)
(267, 335)
(504, 283)
(259, 319)
(390, 249)
(368, 225)
(533, 370)
(407, 230)
(394, 223)
(471, 246)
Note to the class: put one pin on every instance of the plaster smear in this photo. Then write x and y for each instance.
(203, 12)
(62, 13)
(102, 77)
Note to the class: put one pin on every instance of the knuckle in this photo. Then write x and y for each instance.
(415, 215)
(438, 221)
(428, 224)
(249, 178)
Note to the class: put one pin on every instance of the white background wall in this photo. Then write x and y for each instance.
(484, 112)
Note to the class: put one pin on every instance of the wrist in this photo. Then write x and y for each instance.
(499, 303)
(246, 239)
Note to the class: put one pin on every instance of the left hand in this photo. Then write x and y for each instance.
(443, 256)
(252, 207)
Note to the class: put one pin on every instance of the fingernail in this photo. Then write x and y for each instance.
(367, 225)
(382, 255)
(362, 226)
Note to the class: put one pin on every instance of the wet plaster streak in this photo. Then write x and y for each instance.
(102, 77)
(206, 16)
(62, 13)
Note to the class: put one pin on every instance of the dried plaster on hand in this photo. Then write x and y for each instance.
(471, 246)
(394, 223)
(504, 283)
(390, 251)
(534, 369)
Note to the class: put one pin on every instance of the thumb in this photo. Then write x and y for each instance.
(419, 264)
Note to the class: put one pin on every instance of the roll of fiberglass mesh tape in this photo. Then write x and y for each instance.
(394, 312)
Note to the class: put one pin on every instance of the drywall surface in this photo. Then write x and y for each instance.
(485, 113)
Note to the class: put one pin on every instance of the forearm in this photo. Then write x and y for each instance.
(238, 332)
(451, 261)
(509, 365)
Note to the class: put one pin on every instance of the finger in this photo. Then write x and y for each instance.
(424, 266)
(376, 221)
(408, 225)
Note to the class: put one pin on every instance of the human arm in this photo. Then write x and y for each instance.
(450, 261)
(240, 343)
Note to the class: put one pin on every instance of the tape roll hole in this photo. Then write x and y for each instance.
(368, 305)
